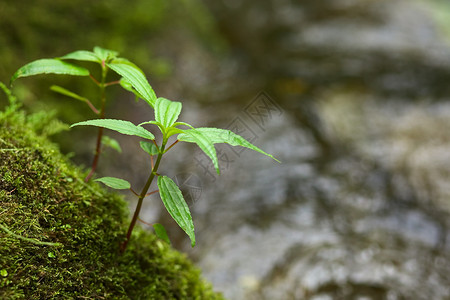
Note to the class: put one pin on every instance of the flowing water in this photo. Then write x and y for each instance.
(352, 97)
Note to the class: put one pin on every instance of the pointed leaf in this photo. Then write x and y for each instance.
(111, 143)
(115, 183)
(124, 127)
(82, 55)
(134, 75)
(149, 147)
(105, 54)
(49, 66)
(217, 135)
(161, 232)
(203, 141)
(166, 111)
(183, 124)
(151, 122)
(176, 205)
(67, 93)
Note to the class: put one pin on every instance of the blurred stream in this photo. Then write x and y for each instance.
(352, 97)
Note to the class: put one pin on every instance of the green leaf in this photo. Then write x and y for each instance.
(4, 272)
(124, 127)
(166, 111)
(115, 183)
(173, 130)
(67, 93)
(161, 232)
(176, 205)
(13, 104)
(168, 132)
(129, 87)
(203, 141)
(83, 55)
(151, 122)
(105, 54)
(49, 66)
(217, 135)
(149, 147)
(135, 77)
(111, 143)
(183, 124)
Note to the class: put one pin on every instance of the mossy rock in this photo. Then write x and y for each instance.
(44, 202)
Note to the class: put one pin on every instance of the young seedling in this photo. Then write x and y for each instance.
(107, 59)
(166, 116)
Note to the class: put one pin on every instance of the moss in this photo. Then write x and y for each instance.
(59, 236)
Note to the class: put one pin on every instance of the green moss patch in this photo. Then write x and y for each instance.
(59, 237)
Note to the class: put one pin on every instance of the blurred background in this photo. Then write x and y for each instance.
(351, 95)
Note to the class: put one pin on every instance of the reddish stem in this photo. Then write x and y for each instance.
(134, 192)
(143, 194)
(145, 222)
(98, 147)
(94, 80)
(97, 154)
(92, 107)
(151, 193)
(172, 145)
(112, 83)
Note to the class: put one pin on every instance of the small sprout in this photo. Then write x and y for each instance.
(3, 272)
(166, 119)
(51, 255)
(166, 115)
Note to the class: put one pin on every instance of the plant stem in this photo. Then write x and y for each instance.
(101, 114)
(34, 241)
(172, 145)
(112, 83)
(92, 107)
(142, 195)
(94, 80)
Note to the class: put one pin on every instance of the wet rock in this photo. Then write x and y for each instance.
(359, 207)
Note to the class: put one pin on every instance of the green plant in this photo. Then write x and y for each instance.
(59, 236)
(107, 59)
(166, 115)
(13, 103)
(166, 119)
